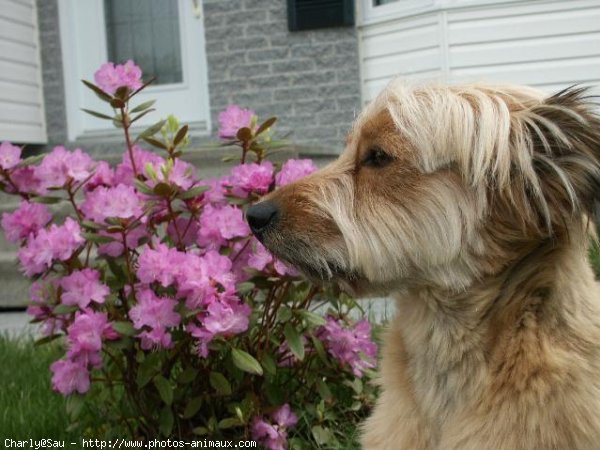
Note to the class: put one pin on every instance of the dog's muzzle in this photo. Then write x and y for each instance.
(261, 217)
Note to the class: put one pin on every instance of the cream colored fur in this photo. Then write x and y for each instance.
(478, 225)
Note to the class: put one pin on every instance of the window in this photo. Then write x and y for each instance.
(165, 38)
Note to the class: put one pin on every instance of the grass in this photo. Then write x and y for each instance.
(28, 406)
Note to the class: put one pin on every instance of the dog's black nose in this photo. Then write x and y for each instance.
(261, 215)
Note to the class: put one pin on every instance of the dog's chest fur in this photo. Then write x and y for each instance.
(521, 373)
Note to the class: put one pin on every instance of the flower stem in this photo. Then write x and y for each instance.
(126, 125)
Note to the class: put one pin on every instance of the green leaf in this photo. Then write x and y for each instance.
(188, 375)
(230, 422)
(31, 160)
(74, 406)
(284, 314)
(294, 340)
(97, 238)
(166, 421)
(246, 362)
(97, 114)
(124, 328)
(142, 187)
(244, 134)
(140, 115)
(46, 200)
(323, 390)
(192, 407)
(312, 319)
(266, 125)
(318, 346)
(245, 287)
(220, 383)
(154, 142)
(269, 365)
(151, 130)
(180, 136)
(322, 435)
(64, 309)
(143, 106)
(200, 431)
(99, 92)
(149, 366)
(194, 192)
(164, 389)
(91, 225)
(46, 339)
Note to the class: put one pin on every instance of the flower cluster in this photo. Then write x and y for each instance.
(350, 346)
(159, 290)
(110, 77)
(272, 433)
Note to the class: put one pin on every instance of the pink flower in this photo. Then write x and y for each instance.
(262, 257)
(41, 294)
(10, 155)
(232, 119)
(218, 225)
(350, 346)
(157, 313)
(161, 264)
(26, 180)
(120, 201)
(124, 171)
(114, 249)
(85, 336)
(227, 318)
(61, 165)
(293, 170)
(109, 77)
(187, 229)
(273, 434)
(216, 194)
(246, 178)
(69, 376)
(82, 287)
(103, 176)
(182, 174)
(55, 243)
(28, 218)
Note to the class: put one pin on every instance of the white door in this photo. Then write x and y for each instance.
(164, 37)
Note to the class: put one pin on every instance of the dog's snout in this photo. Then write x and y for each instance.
(262, 215)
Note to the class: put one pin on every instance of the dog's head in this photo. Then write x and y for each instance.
(440, 185)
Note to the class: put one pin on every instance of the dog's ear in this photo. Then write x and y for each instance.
(561, 178)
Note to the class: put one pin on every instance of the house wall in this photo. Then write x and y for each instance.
(21, 106)
(542, 43)
(310, 80)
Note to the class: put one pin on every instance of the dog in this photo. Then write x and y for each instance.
(471, 205)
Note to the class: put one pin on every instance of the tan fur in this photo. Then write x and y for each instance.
(479, 227)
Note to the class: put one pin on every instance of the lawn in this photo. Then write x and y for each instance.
(28, 406)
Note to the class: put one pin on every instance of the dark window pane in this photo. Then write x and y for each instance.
(382, 2)
(146, 31)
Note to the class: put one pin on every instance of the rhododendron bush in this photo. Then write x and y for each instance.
(176, 322)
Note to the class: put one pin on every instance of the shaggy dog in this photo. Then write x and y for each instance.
(469, 204)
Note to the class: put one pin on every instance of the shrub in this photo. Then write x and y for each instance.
(176, 321)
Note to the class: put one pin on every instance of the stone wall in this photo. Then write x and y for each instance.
(309, 79)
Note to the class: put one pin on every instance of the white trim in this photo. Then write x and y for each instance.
(83, 41)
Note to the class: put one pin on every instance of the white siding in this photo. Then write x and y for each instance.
(22, 116)
(547, 44)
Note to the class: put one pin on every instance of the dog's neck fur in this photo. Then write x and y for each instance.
(476, 340)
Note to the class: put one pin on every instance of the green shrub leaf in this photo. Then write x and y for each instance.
(220, 383)
(294, 340)
(246, 362)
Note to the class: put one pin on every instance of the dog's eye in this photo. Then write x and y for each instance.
(377, 157)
